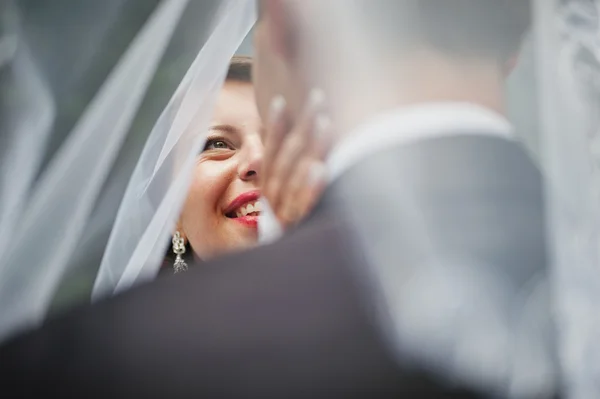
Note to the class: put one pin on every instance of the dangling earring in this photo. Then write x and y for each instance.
(179, 249)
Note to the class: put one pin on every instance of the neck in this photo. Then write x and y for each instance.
(424, 79)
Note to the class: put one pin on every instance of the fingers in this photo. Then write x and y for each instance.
(302, 191)
(275, 130)
(294, 173)
(307, 179)
(286, 151)
(322, 138)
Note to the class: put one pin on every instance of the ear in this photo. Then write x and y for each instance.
(281, 28)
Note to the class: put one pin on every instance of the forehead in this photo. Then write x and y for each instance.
(235, 104)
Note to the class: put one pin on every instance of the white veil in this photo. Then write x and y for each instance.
(568, 43)
(159, 184)
(54, 207)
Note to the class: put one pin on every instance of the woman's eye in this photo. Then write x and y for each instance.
(216, 145)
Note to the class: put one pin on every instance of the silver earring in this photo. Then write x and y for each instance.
(179, 249)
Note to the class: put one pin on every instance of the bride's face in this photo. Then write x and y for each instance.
(221, 210)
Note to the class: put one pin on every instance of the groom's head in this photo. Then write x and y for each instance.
(359, 48)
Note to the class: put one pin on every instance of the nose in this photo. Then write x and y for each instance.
(249, 168)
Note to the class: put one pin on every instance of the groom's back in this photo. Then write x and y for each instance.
(453, 230)
(470, 194)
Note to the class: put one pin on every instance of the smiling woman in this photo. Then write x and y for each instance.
(221, 210)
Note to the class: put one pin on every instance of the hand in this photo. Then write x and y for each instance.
(294, 174)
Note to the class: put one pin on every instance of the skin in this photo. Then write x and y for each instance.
(298, 129)
(229, 165)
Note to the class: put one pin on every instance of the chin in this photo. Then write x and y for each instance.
(239, 244)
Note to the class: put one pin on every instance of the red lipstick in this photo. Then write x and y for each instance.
(242, 199)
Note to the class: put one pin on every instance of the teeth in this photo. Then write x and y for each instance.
(250, 207)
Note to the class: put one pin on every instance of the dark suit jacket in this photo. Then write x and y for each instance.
(293, 319)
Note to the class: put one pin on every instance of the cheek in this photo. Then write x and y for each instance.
(207, 195)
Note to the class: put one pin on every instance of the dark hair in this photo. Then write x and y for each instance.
(240, 69)
(459, 27)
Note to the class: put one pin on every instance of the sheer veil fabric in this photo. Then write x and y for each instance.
(159, 183)
(567, 41)
(53, 206)
(58, 206)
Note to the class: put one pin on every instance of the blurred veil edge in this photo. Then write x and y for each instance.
(567, 37)
(159, 183)
(57, 207)
(26, 122)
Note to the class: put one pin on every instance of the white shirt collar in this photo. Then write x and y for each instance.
(406, 125)
(398, 127)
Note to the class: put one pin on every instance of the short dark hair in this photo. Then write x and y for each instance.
(240, 69)
(459, 27)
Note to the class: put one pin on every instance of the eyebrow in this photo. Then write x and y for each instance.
(224, 128)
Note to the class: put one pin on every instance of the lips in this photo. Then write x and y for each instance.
(244, 206)
(250, 209)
